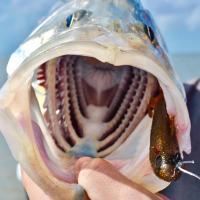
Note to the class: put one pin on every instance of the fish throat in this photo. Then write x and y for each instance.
(90, 107)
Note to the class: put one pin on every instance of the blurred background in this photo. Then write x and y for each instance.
(179, 22)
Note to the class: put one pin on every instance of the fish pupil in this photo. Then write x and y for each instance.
(77, 16)
(148, 30)
(69, 20)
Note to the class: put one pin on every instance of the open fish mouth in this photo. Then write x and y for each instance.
(82, 106)
(77, 105)
(91, 107)
(81, 85)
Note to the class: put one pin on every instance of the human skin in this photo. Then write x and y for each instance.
(100, 179)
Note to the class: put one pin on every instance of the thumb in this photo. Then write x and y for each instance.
(102, 181)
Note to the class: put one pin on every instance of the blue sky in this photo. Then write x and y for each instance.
(179, 21)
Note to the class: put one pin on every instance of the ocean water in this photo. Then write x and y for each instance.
(187, 66)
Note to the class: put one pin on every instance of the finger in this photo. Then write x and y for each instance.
(163, 197)
(100, 179)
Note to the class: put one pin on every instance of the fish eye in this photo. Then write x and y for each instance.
(69, 20)
(77, 16)
(149, 32)
(158, 161)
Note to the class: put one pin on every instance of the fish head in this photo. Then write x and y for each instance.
(80, 85)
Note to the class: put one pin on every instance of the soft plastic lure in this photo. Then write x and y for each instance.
(164, 153)
(164, 149)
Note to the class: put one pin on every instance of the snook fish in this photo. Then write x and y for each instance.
(82, 85)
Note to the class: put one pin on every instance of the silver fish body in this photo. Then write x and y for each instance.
(44, 126)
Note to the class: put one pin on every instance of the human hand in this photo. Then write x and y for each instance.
(101, 180)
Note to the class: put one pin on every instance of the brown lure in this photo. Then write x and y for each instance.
(164, 149)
